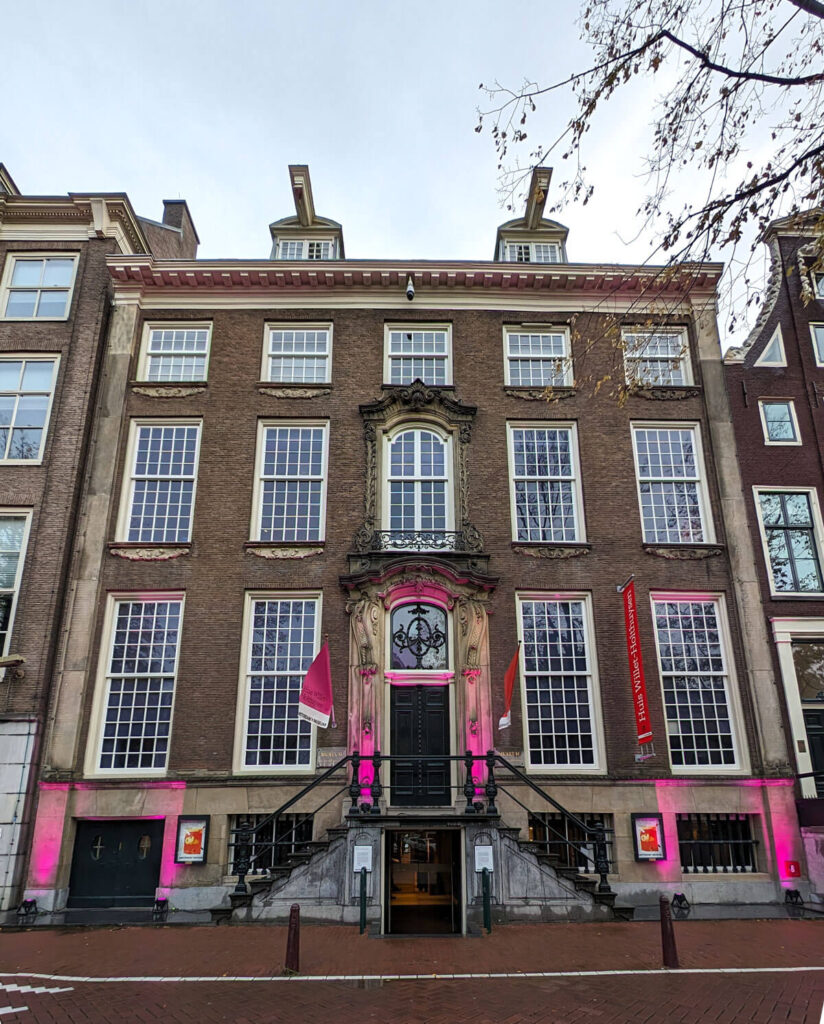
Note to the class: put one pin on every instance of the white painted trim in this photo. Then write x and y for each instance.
(26, 514)
(418, 325)
(685, 359)
(388, 436)
(538, 238)
(257, 486)
(779, 401)
(5, 285)
(127, 485)
(171, 325)
(819, 361)
(600, 764)
(546, 329)
(296, 325)
(705, 508)
(94, 740)
(818, 285)
(782, 361)
(242, 711)
(731, 689)
(818, 535)
(577, 485)
(42, 357)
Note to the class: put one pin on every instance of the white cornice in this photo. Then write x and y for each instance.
(75, 218)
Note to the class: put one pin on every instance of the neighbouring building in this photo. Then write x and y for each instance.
(55, 297)
(776, 388)
(312, 446)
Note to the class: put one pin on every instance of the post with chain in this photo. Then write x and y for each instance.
(243, 854)
(491, 786)
(292, 962)
(354, 785)
(668, 950)
(469, 785)
(601, 858)
(376, 789)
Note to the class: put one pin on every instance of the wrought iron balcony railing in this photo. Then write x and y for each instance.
(418, 540)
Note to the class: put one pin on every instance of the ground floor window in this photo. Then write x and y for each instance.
(272, 846)
(556, 835)
(716, 843)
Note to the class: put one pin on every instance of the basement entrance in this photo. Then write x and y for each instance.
(423, 882)
(116, 863)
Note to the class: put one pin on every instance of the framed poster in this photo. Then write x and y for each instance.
(192, 839)
(648, 837)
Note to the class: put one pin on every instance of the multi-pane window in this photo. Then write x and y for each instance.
(538, 358)
(282, 646)
(275, 841)
(656, 358)
(162, 482)
(819, 285)
(178, 353)
(817, 331)
(778, 421)
(26, 387)
(140, 684)
(669, 484)
(789, 530)
(694, 677)
(419, 353)
(532, 252)
(418, 507)
(557, 673)
(292, 484)
(716, 843)
(544, 483)
(12, 551)
(554, 833)
(298, 355)
(38, 287)
(302, 249)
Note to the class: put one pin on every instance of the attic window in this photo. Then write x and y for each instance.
(303, 249)
(532, 252)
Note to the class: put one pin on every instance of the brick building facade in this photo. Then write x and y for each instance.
(313, 447)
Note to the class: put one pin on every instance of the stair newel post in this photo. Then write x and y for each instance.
(601, 859)
(354, 785)
(243, 854)
(491, 788)
(376, 789)
(469, 784)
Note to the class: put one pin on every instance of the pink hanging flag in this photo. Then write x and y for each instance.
(315, 704)
(509, 685)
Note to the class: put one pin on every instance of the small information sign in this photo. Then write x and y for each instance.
(363, 858)
(483, 858)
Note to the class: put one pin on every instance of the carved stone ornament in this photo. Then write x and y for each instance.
(175, 392)
(278, 551)
(290, 392)
(149, 554)
(685, 552)
(551, 550)
(548, 394)
(670, 394)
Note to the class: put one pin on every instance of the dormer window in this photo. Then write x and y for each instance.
(532, 252)
(304, 249)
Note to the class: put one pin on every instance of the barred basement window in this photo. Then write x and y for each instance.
(291, 498)
(553, 833)
(545, 484)
(670, 485)
(272, 847)
(716, 843)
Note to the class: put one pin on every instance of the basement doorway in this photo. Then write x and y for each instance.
(423, 882)
(116, 863)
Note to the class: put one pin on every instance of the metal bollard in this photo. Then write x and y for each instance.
(362, 900)
(670, 953)
(487, 897)
(292, 965)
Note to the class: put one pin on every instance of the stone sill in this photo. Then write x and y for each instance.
(168, 389)
(666, 393)
(140, 552)
(299, 549)
(684, 552)
(535, 550)
(276, 389)
(547, 394)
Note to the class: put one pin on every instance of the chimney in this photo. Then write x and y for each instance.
(176, 215)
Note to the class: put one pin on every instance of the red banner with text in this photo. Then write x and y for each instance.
(636, 666)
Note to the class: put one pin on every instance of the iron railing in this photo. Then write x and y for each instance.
(418, 540)
(716, 844)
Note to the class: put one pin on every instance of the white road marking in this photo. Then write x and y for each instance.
(12, 1009)
(38, 990)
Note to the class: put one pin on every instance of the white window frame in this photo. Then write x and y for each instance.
(819, 358)
(506, 243)
(818, 285)
(739, 741)
(25, 514)
(392, 328)
(599, 765)
(707, 525)
(546, 329)
(127, 487)
(577, 487)
(684, 361)
(388, 437)
(818, 536)
(31, 357)
(244, 689)
(776, 338)
(5, 284)
(100, 702)
(295, 326)
(785, 632)
(172, 325)
(304, 251)
(257, 491)
(779, 401)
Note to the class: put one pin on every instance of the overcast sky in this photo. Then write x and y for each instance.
(210, 101)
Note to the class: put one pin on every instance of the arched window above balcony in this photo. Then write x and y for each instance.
(418, 492)
(419, 637)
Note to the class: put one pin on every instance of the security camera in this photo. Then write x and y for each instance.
(410, 289)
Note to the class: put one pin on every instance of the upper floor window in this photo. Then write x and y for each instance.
(791, 531)
(819, 285)
(817, 331)
(420, 637)
(418, 504)
(532, 252)
(175, 352)
(656, 358)
(14, 529)
(161, 483)
(546, 499)
(779, 422)
(671, 483)
(537, 358)
(305, 249)
(291, 482)
(37, 287)
(422, 352)
(298, 354)
(26, 389)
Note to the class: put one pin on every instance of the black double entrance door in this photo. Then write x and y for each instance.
(814, 721)
(420, 730)
(116, 863)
